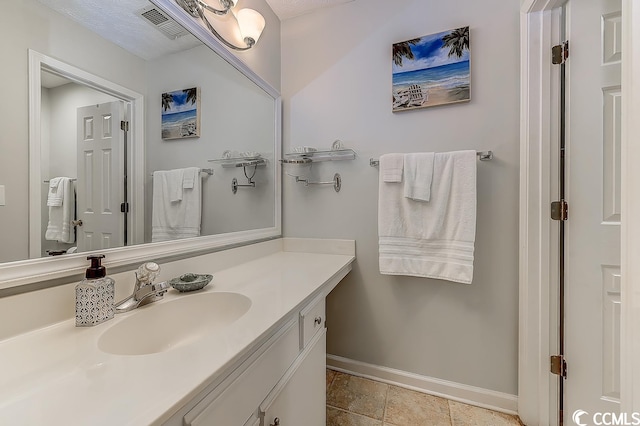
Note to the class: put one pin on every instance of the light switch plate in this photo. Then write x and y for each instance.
(2, 203)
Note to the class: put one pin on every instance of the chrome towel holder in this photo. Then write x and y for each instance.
(482, 156)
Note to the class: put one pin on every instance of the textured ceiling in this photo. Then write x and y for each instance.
(286, 9)
(118, 21)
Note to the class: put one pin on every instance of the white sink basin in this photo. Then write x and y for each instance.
(159, 327)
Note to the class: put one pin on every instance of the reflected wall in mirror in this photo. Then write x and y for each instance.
(136, 56)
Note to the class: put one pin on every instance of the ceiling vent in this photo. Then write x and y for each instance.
(162, 22)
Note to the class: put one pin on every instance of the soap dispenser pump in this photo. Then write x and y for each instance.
(95, 295)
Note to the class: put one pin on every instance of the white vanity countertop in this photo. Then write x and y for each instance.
(58, 375)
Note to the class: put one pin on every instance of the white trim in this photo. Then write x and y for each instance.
(537, 390)
(630, 231)
(472, 395)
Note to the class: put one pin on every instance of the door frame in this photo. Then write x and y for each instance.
(537, 393)
(38, 62)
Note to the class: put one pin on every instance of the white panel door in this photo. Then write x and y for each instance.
(100, 184)
(592, 316)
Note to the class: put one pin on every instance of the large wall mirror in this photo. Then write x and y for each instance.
(145, 139)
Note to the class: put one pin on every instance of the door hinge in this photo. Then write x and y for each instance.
(124, 207)
(124, 125)
(559, 210)
(560, 53)
(558, 365)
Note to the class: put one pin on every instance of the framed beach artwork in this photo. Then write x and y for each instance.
(431, 70)
(181, 114)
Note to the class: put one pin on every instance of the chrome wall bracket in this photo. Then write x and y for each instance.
(336, 182)
(250, 182)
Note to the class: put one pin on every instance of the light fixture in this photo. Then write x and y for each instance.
(250, 23)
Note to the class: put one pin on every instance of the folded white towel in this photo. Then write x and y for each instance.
(418, 174)
(434, 239)
(173, 180)
(171, 219)
(191, 174)
(55, 194)
(391, 166)
(60, 216)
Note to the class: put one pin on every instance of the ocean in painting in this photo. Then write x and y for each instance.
(446, 76)
(179, 124)
(443, 84)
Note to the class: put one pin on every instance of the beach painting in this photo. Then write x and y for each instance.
(181, 114)
(431, 70)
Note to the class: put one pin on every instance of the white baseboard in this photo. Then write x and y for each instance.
(472, 395)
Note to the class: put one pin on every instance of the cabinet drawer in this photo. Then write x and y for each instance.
(311, 320)
(239, 399)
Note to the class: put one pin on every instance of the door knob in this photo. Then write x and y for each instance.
(76, 222)
(276, 422)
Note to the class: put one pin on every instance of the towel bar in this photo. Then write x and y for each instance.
(207, 171)
(482, 156)
(72, 180)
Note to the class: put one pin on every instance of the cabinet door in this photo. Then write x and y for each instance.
(253, 421)
(300, 397)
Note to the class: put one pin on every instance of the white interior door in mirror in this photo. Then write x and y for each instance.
(100, 185)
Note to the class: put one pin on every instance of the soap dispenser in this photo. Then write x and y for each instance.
(95, 295)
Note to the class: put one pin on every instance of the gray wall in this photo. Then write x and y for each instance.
(236, 115)
(336, 74)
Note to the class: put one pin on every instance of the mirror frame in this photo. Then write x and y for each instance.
(23, 272)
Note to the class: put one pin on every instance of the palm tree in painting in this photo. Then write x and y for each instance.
(456, 41)
(191, 95)
(167, 99)
(402, 50)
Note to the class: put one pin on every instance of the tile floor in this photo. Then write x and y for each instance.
(355, 401)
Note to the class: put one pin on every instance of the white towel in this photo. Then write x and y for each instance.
(174, 182)
(174, 219)
(434, 239)
(55, 194)
(418, 174)
(60, 215)
(190, 176)
(391, 166)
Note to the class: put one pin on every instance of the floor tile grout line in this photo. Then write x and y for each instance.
(450, 412)
(386, 400)
(353, 413)
(333, 379)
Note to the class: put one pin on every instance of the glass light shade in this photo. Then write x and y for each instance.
(251, 23)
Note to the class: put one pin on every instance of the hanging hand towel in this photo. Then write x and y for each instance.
(173, 219)
(391, 166)
(55, 194)
(418, 174)
(434, 239)
(61, 214)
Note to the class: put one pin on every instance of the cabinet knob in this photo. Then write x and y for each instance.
(318, 321)
(276, 422)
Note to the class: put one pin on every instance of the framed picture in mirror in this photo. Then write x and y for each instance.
(181, 114)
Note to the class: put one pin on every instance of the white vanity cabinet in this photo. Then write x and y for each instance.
(300, 397)
(283, 378)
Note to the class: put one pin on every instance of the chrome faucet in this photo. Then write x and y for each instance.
(144, 290)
